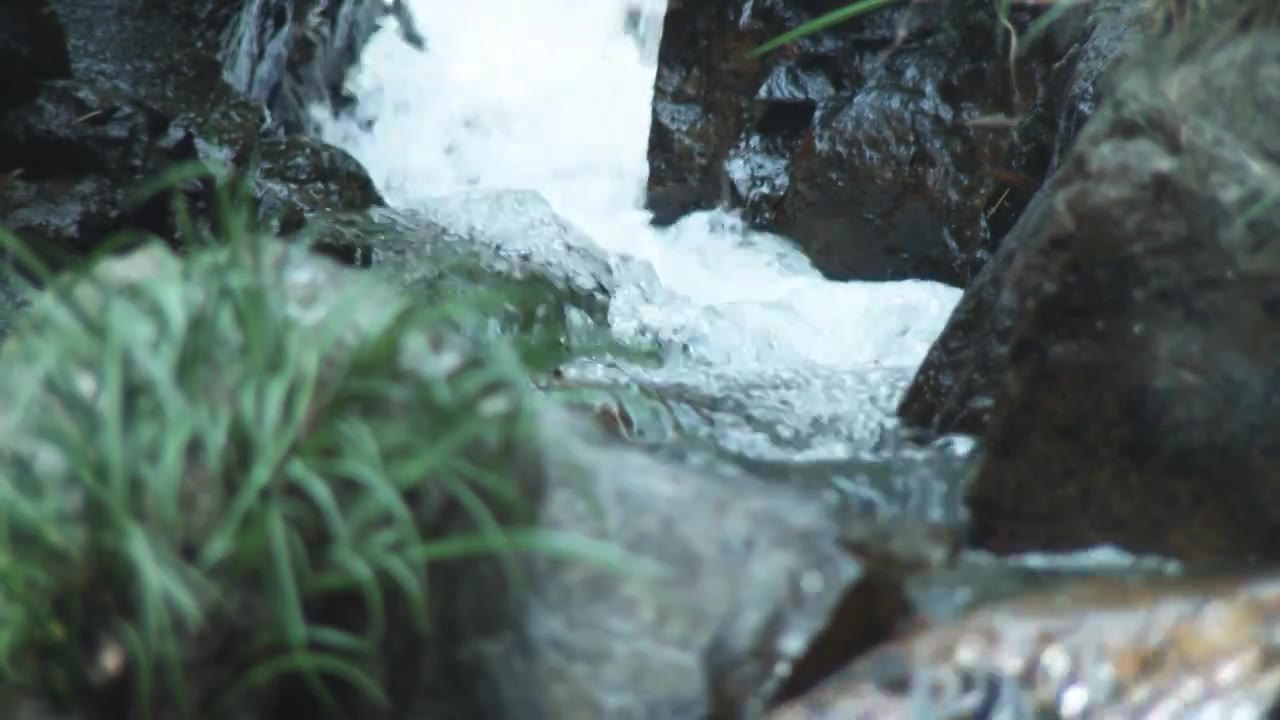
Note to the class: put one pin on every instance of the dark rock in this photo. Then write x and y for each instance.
(33, 48)
(73, 157)
(1138, 406)
(1113, 29)
(299, 176)
(670, 204)
(152, 52)
(70, 159)
(295, 176)
(902, 144)
(72, 153)
(954, 389)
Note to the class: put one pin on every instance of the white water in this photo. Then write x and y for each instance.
(554, 96)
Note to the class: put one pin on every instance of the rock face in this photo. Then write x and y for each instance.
(902, 144)
(1129, 341)
(106, 107)
(954, 389)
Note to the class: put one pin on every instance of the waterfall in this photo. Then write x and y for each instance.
(554, 96)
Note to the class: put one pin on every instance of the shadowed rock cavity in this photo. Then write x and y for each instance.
(32, 48)
(902, 144)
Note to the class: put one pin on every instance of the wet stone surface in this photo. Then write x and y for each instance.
(108, 107)
(1103, 648)
(900, 145)
(1138, 405)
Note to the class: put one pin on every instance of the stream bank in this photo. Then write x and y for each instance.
(784, 549)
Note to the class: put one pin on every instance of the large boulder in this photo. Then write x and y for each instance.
(902, 144)
(1136, 395)
(728, 591)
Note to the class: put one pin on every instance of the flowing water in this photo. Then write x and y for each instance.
(554, 96)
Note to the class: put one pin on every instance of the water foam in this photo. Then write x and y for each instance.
(554, 96)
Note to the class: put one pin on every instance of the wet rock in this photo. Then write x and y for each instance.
(759, 655)
(1102, 648)
(745, 573)
(70, 159)
(299, 176)
(902, 144)
(33, 48)
(954, 389)
(1112, 31)
(152, 52)
(1138, 405)
(295, 176)
(458, 244)
(73, 153)
(293, 54)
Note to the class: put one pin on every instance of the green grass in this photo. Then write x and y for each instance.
(822, 22)
(1168, 16)
(216, 489)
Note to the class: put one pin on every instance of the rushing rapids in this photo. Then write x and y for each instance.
(555, 98)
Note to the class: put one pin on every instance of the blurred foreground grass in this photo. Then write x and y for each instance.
(223, 476)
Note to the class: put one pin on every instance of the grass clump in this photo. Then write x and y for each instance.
(223, 477)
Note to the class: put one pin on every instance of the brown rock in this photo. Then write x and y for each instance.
(954, 390)
(1139, 406)
(1105, 648)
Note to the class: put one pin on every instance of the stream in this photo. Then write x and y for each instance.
(554, 97)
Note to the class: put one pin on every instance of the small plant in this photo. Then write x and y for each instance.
(215, 488)
(818, 24)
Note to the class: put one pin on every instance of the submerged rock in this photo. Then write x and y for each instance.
(541, 274)
(901, 144)
(1102, 648)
